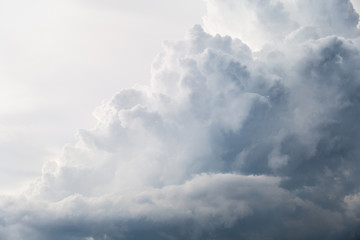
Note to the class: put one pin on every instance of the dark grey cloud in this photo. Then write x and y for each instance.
(226, 143)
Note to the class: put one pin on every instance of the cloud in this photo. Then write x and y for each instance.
(209, 205)
(262, 22)
(226, 142)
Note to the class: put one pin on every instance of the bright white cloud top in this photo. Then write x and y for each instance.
(249, 136)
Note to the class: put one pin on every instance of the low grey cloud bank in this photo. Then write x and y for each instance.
(226, 142)
(222, 206)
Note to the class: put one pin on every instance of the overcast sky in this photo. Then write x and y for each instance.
(175, 119)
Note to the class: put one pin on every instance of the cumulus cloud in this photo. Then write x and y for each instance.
(262, 22)
(227, 142)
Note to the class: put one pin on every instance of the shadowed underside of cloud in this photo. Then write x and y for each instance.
(226, 143)
(224, 206)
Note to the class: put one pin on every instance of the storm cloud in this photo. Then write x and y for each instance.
(233, 139)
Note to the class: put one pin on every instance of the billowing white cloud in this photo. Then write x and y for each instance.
(226, 142)
(262, 22)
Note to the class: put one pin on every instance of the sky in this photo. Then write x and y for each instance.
(180, 119)
(61, 59)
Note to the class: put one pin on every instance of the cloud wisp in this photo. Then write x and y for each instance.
(226, 143)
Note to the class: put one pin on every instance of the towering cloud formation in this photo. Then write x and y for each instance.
(226, 142)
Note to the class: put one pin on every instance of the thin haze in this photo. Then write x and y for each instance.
(248, 129)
